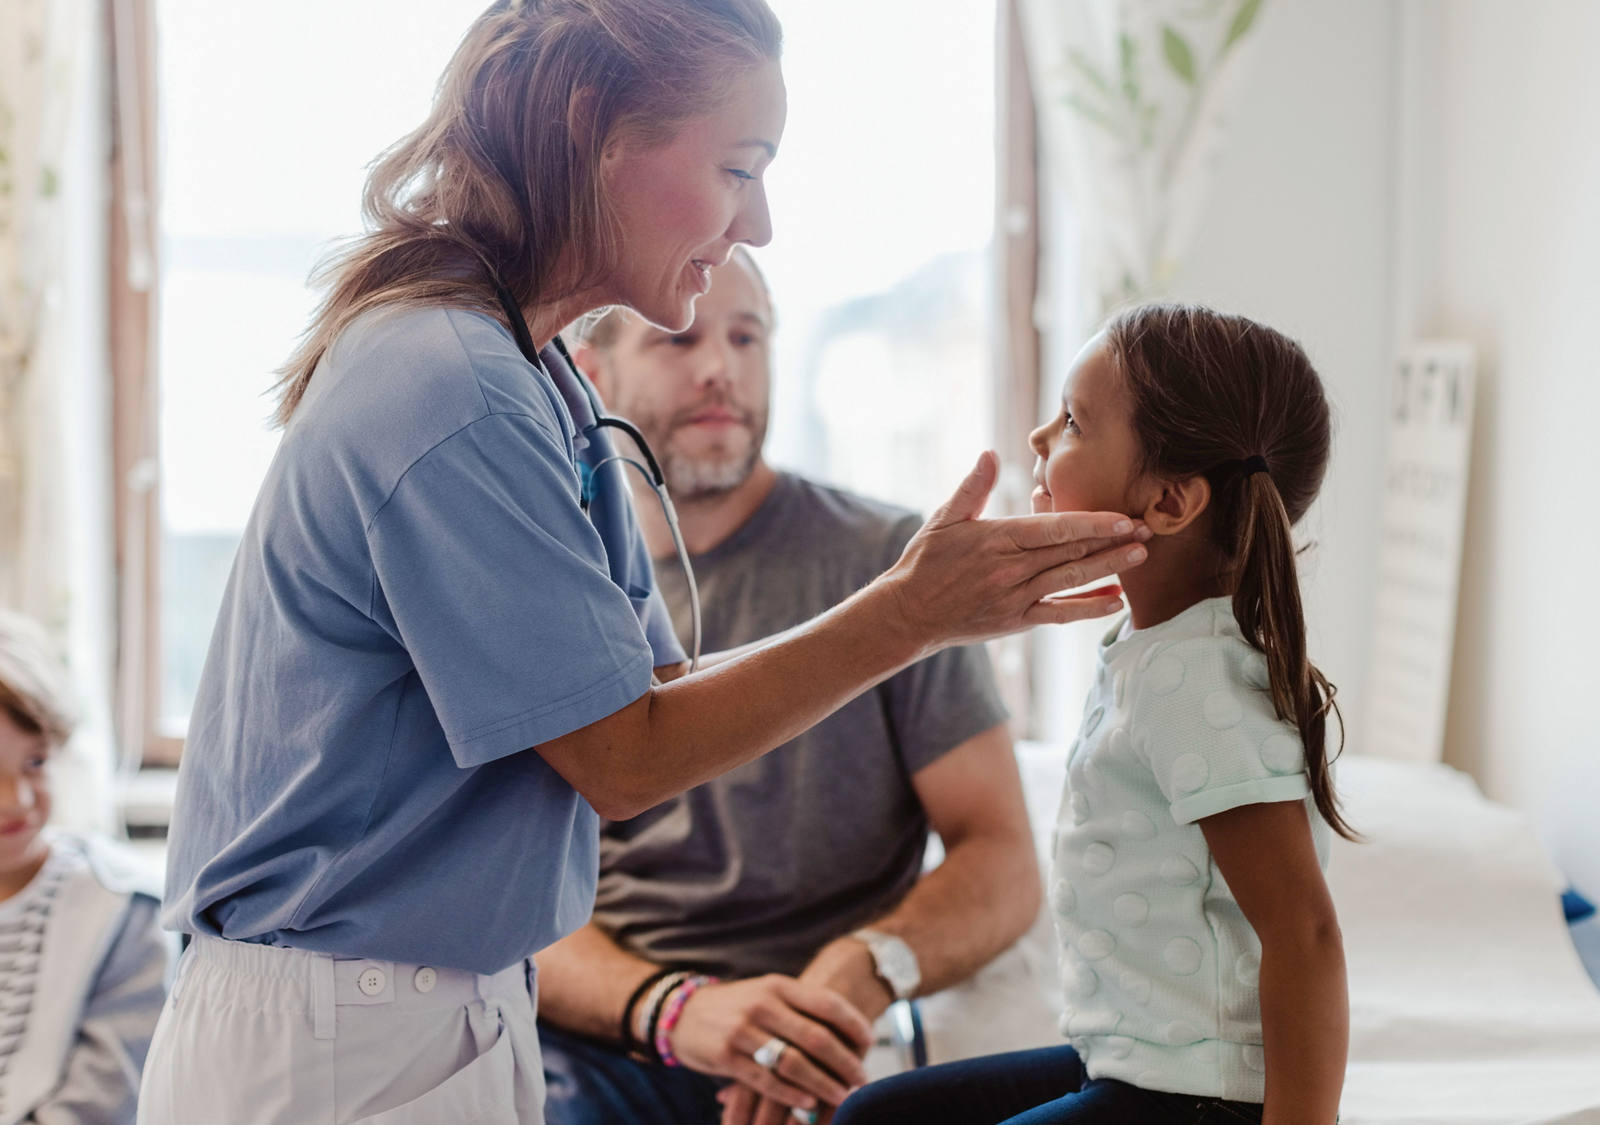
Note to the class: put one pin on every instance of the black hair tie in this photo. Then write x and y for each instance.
(1250, 466)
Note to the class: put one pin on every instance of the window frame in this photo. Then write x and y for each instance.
(135, 366)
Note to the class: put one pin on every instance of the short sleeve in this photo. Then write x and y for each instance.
(939, 702)
(498, 586)
(1206, 722)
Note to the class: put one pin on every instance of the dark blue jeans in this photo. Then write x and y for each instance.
(592, 1083)
(1047, 1086)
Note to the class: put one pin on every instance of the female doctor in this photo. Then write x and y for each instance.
(433, 663)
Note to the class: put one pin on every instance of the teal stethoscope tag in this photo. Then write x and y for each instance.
(585, 484)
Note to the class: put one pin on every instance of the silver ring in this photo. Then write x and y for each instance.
(768, 1054)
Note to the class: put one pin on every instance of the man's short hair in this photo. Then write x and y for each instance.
(600, 328)
(34, 691)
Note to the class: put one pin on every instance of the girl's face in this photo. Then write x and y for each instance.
(24, 797)
(684, 203)
(1088, 453)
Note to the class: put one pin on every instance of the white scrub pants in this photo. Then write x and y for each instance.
(262, 1035)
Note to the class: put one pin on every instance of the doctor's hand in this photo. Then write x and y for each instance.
(963, 579)
(723, 1026)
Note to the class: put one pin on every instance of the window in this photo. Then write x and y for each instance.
(881, 265)
(266, 128)
(883, 205)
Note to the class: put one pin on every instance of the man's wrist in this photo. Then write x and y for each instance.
(845, 966)
(894, 962)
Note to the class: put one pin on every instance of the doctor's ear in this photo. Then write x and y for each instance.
(1177, 505)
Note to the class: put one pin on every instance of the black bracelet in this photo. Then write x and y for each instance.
(628, 1040)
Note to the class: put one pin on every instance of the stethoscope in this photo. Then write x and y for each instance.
(652, 474)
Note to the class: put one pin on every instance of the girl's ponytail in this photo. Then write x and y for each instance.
(1231, 400)
(1266, 603)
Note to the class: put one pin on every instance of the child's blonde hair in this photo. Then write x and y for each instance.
(34, 691)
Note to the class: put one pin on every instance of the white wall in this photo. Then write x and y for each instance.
(1501, 246)
(1300, 237)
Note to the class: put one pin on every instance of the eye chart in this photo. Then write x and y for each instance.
(1419, 557)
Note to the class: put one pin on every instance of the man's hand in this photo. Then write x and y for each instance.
(724, 1025)
(844, 967)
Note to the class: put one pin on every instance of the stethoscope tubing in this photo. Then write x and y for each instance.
(651, 472)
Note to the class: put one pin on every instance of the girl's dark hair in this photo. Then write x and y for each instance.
(1211, 393)
(504, 173)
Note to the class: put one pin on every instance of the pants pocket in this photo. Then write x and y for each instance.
(480, 1093)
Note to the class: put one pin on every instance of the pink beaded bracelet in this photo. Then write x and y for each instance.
(670, 1013)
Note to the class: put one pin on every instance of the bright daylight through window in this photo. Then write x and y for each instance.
(882, 200)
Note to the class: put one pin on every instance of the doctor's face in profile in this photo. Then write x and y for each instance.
(699, 396)
(683, 204)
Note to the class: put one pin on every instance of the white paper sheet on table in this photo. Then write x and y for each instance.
(1468, 1002)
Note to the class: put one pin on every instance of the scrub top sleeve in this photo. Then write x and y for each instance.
(1213, 739)
(494, 580)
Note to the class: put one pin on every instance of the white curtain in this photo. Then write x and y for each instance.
(1132, 100)
(55, 515)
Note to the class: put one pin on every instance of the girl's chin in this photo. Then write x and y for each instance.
(1041, 501)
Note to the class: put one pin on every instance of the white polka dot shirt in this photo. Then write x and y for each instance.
(1158, 964)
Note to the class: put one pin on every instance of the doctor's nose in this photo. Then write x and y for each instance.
(753, 224)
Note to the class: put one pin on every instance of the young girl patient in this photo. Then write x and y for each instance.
(1201, 957)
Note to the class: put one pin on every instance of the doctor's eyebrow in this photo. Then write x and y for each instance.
(772, 149)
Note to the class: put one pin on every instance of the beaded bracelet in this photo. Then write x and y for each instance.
(629, 1039)
(650, 1012)
(670, 1013)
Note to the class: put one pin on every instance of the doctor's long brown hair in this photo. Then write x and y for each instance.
(503, 173)
(1210, 393)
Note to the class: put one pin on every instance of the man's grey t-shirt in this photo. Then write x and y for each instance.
(755, 871)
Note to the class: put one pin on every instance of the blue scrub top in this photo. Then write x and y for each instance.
(418, 599)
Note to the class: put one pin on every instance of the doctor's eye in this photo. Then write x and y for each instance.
(740, 174)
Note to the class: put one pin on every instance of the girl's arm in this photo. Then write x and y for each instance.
(1265, 853)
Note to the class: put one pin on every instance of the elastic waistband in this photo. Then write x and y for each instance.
(328, 980)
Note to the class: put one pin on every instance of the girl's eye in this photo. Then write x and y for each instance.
(35, 764)
(1069, 422)
(681, 341)
(743, 340)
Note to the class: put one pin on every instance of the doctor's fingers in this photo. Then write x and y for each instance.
(1092, 531)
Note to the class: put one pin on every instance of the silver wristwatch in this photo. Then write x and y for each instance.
(895, 962)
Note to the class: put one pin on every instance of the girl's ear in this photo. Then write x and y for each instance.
(1178, 504)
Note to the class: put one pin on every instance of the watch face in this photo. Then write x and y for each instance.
(897, 964)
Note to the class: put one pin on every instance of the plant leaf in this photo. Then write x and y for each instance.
(1179, 56)
(1130, 74)
(1243, 21)
(1083, 66)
